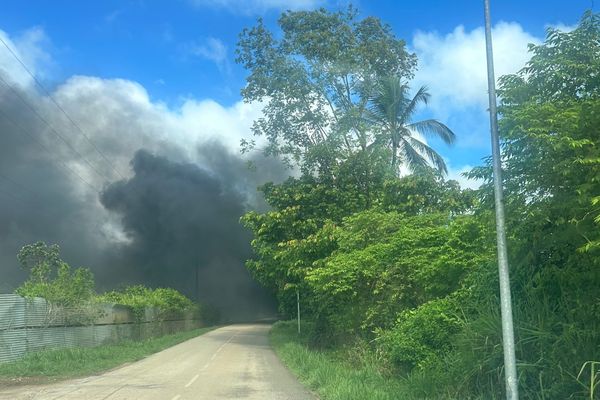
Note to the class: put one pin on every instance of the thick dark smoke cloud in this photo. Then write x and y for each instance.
(170, 217)
(183, 223)
(38, 198)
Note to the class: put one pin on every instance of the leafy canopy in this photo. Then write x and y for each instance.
(390, 114)
(316, 81)
(51, 278)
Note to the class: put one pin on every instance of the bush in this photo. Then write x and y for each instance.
(422, 335)
(138, 297)
(52, 279)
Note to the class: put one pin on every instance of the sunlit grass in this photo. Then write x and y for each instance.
(330, 376)
(79, 361)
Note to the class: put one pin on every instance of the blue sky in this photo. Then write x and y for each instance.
(177, 57)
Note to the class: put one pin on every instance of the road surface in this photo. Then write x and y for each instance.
(233, 362)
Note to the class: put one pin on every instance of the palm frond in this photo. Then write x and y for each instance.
(433, 128)
(389, 99)
(411, 157)
(427, 152)
(422, 96)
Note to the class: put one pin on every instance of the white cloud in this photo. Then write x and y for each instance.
(465, 183)
(258, 6)
(453, 66)
(562, 27)
(29, 47)
(211, 49)
(228, 124)
(121, 111)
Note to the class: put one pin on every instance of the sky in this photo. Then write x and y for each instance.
(178, 56)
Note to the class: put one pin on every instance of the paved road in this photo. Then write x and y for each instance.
(234, 362)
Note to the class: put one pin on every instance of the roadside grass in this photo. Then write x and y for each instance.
(326, 373)
(49, 365)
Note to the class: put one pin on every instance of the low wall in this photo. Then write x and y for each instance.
(29, 325)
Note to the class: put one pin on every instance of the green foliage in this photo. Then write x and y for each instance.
(139, 298)
(301, 231)
(73, 291)
(284, 238)
(52, 279)
(551, 146)
(317, 80)
(551, 151)
(337, 94)
(378, 273)
(75, 362)
(390, 113)
(408, 263)
(426, 192)
(421, 336)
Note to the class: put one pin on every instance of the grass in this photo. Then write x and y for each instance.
(329, 375)
(57, 364)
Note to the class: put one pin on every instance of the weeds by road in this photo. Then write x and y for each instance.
(328, 374)
(57, 364)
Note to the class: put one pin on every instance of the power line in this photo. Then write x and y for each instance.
(56, 133)
(43, 146)
(61, 109)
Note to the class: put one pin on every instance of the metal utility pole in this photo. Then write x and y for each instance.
(508, 337)
(298, 304)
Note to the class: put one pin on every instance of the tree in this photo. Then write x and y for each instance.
(316, 82)
(52, 279)
(551, 160)
(284, 237)
(391, 111)
(427, 192)
(385, 263)
(551, 146)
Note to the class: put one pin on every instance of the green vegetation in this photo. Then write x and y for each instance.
(402, 270)
(73, 362)
(73, 292)
(335, 95)
(72, 295)
(138, 297)
(390, 114)
(52, 279)
(334, 376)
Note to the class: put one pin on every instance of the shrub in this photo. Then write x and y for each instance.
(138, 297)
(52, 279)
(421, 335)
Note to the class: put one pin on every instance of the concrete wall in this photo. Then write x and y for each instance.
(29, 325)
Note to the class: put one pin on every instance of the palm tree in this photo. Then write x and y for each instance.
(390, 112)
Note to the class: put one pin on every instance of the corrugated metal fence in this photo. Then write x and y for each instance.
(29, 325)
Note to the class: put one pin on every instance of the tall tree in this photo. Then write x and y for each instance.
(316, 82)
(391, 111)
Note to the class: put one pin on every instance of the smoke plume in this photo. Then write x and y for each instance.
(137, 191)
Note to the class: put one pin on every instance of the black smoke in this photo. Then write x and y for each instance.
(39, 197)
(183, 223)
(168, 218)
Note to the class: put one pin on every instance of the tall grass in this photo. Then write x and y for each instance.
(335, 375)
(73, 362)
